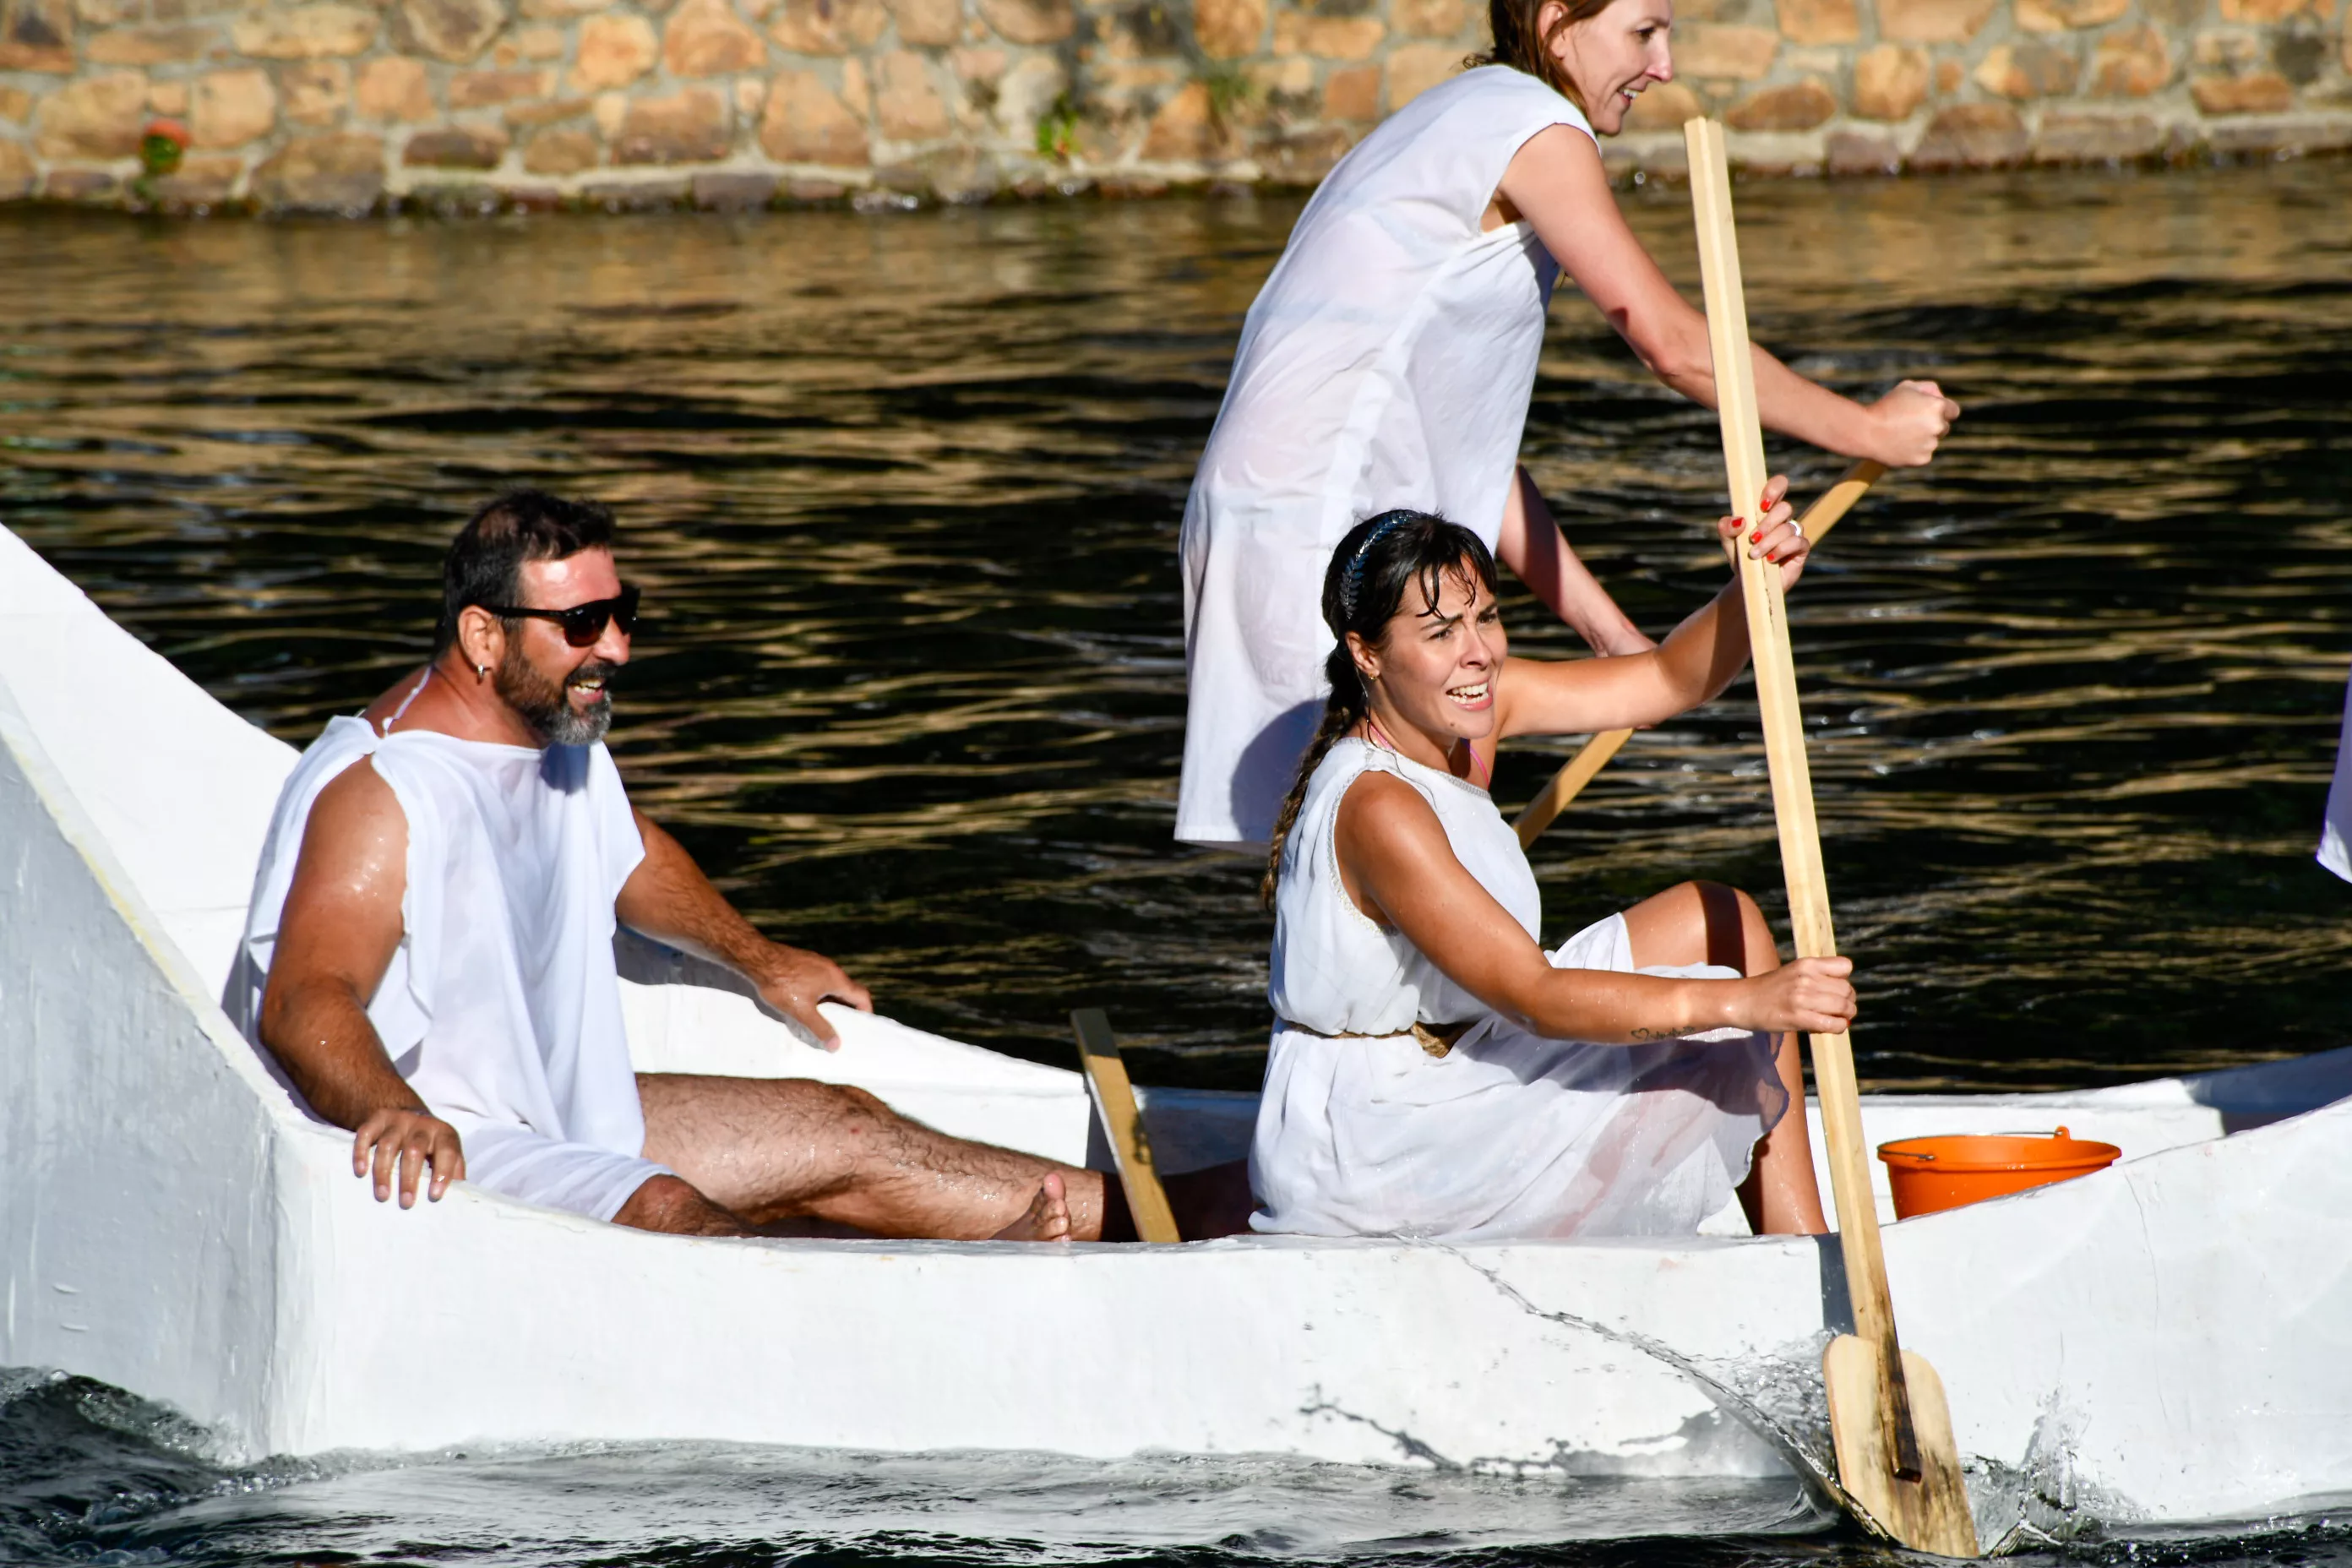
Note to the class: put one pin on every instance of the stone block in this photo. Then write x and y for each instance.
(305, 32)
(1303, 158)
(1663, 105)
(1443, 18)
(81, 185)
(1026, 94)
(907, 102)
(2132, 63)
(806, 122)
(1328, 38)
(560, 152)
(637, 195)
(1933, 21)
(559, 10)
(1352, 94)
(2177, 13)
(1414, 68)
(2264, 13)
(553, 111)
(1030, 21)
(930, 24)
(2295, 135)
(1972, 136)
(1185, 130)
(1820, 21)
(614, 51)
(456, 147)
(1797, 107)
(1228, 29)
(539, 42)
(337, 171)
(168, 97)
(452, 30)
(199, 185)
(394, 88)
(17, 172)
(315, 92)
(1724, 50)
(706, 37)
(1889, 82)
(36, 35)
(2060, 16)
(1861, 152)
(150, 46)
(2069, 136)
(827, 26)
(731, 191)
(2258, 92)
(489, 89)
(15, 104)
(98, 116)
(689, 126)
(1947, 77)
(2028, 68)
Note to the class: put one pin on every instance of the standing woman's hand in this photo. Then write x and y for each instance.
(1909, 422)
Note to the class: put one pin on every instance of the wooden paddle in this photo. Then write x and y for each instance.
(1131, 1147)
(1896, 1458)
(1594, 755)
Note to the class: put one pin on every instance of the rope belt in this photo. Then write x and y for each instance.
(1436, 1039)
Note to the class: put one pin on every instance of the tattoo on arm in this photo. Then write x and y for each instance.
(1662, 1033)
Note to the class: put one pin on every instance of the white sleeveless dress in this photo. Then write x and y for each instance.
(1387, 362)
(1508, 1134)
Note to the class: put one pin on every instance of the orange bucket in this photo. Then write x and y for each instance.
(1932, 1173)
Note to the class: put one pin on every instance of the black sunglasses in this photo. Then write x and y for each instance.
(583, 623)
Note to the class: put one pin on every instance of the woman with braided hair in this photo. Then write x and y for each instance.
(1388, 362)
(1433, 1071)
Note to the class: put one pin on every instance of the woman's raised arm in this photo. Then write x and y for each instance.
(1556, 182)
(1577, 697)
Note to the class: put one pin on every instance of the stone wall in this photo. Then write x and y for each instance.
(348, 105)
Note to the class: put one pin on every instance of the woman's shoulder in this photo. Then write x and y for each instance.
(1499, 90)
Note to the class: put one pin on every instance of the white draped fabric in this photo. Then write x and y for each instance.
(501, 1006)
(2336, 832)
(1387, 362)
(1508, 1134)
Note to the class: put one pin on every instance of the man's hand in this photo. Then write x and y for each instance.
(794, 980)
(412, 1140)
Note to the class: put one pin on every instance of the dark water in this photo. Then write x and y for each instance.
(903, 494)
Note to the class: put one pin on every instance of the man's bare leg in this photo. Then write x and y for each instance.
(775, 1149)
(1706, 923)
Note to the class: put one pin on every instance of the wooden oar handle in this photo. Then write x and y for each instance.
(1594, 755)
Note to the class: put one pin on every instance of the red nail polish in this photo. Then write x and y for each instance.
(1757, 537)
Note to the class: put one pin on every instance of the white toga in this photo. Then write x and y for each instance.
(501, 1006)
(1387, 362)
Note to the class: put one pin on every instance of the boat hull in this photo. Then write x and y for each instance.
(2163, 1341)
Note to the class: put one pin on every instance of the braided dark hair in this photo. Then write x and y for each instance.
(1362, 589)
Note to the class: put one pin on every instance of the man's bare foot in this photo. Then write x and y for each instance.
(1047, 1218)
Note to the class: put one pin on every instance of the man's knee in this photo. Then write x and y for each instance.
(675, 1207)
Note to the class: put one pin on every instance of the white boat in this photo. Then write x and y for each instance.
(2170, 1340)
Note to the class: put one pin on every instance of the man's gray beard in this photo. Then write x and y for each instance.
(545, 705)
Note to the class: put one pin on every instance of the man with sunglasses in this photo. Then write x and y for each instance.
(429, 951)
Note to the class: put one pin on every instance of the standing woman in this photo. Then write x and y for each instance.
(1388, 362)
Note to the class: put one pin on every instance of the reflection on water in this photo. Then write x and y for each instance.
(903, 494)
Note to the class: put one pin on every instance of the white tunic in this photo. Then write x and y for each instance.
(2336, 832)
(501, 1006)
(1387, 362)
(1508, 1134)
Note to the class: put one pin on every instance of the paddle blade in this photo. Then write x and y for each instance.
(1930, 1514)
